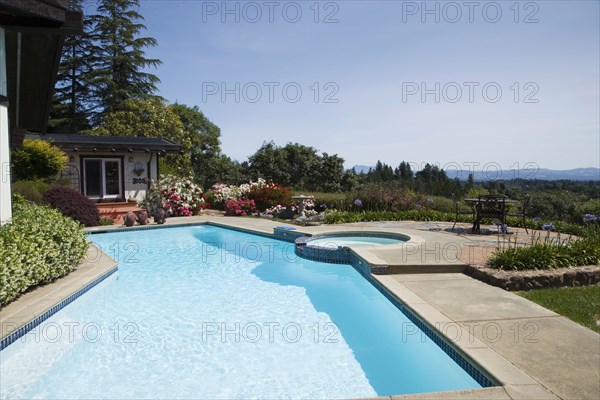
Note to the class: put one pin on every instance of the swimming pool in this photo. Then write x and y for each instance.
(205, 312)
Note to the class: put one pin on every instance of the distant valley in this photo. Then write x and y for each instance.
(577, 174)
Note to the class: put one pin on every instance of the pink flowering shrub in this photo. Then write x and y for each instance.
(240, 207)
(179, 197)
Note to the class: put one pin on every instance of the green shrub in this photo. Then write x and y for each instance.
(407, 215)
(31, 190)
(441, 204)
(589, 207)
(107, 221)
(38, 246)
(381, 198)
(37, 159)
(549, 253)
(333, 201)
(73, 204)
(556, 205)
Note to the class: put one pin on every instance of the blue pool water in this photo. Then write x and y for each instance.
(205, 312)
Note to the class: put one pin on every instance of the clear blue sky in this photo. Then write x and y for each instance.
(385, 62)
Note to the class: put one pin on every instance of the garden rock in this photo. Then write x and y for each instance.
(143, 217)
(130, 219)
(160, 216)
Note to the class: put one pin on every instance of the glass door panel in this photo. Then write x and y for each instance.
(111, 178)
(93, 180)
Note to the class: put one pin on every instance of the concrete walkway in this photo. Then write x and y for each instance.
(532, 352)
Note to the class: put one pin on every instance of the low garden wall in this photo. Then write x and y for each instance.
(536, 279)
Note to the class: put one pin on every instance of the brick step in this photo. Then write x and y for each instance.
(116, 211)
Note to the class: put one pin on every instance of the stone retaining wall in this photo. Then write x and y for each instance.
(537, 279)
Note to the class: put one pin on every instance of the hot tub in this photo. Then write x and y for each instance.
(335, 247)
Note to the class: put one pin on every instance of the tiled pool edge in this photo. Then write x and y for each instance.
(199, 223)
(365, 269)
(472, 367)
(22, 330)
(477, 372)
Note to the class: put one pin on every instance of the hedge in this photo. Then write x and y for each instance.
(37, 247)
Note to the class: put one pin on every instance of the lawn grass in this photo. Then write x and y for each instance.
(580, 304)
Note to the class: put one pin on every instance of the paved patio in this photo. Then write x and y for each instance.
(533, 352)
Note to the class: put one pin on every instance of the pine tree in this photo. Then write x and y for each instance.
(72, 104)
(120, 69)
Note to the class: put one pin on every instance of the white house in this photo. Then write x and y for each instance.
(31, 40)
(111, 168)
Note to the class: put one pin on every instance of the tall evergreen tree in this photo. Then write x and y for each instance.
(120, 73)
(73, 103)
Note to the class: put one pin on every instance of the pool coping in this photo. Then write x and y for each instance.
(40, 303)
(514, 382)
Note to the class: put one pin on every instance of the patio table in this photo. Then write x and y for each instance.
(489, 206)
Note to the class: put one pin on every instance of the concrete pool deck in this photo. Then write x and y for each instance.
(532, 352)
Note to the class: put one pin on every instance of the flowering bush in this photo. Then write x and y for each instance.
(268, 195)
(275, 211)
(265, 195)
(220, 192)
(177, 196)
(241, 207)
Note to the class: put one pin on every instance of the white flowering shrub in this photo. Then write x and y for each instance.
(220, 193)
(38, 246)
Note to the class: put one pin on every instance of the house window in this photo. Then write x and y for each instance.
(102, 178)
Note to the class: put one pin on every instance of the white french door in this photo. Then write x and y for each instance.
(102, 178)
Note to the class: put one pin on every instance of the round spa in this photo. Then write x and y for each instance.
(335, 247)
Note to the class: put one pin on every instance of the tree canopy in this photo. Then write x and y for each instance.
(103, 67)
(120, 71)
(298, 166)
(73, 104)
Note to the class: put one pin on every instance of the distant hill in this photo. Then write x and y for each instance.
(362, 169)
(577, 174)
